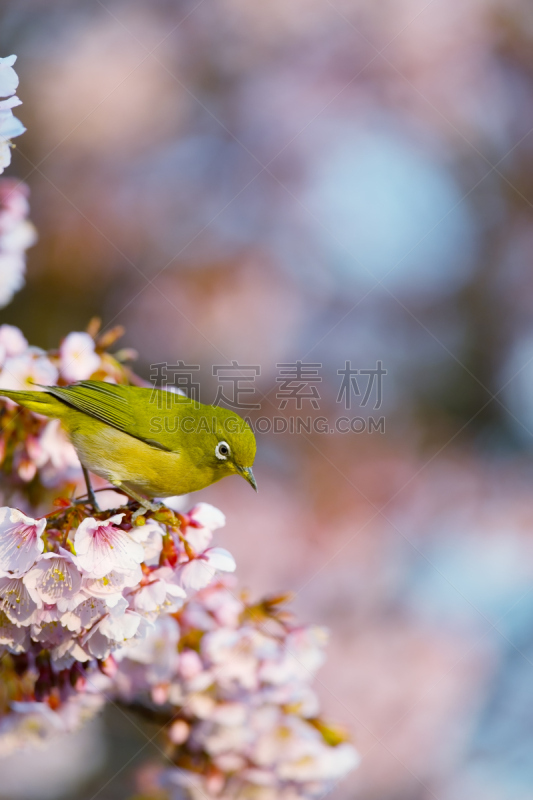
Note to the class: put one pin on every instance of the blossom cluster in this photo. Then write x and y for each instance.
(102, 605)
(234, 680)
(76, 588)
(28, 443)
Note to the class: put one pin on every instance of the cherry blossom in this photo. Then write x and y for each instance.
(34, 723)
(199, 572)
(12, 341)
(102, 547)
(56, 450)
(21, 540)
(119, 625)
(111, 585)
(230, 683)
(31, 370)
(259, 739)
(13, 638)
(150, 536)
(10, 126)
(78, 359)
(207, 516)
(155, 659)
(8, 77)
(86, 612)
(16, 601)
(54, 579)
(16, 235)
(159, 594)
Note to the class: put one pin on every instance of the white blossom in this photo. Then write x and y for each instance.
(12, 341)
(207, 516)
(78, 359)
(199, 572)
(29, 371)
(21, 540)
(10, 126)
(54, 579)
(114, 629)
(16, 601)
(101, 547)
(13, 638)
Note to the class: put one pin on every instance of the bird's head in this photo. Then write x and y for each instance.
(232, 447)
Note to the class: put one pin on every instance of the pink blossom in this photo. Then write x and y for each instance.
(199, 538)
(10, 126)
(12, 269)
(158, 654)
(21, 540)
(26, 469)
(54, 579)
(12, 342)
(150, 536)
(118, 626)
(223, 605)
(200, 571)
(14, 205)
(111, 586)
(28, 371)
(159, 595)
(178, 732)
(78, 359)
(49, 629)
(234, 655)
(18, 238)
(190, 664)
(67, 652)
(202, 520)
(57, 449)
(207, 516)
(8, 77)
(297, 749)
(101, 547)
(13, 637)
(16, 235)
(88, 611)
(32, 723)
(16, 601)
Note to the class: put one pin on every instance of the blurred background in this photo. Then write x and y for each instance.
(324, 181)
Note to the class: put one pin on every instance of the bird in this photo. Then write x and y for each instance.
(147, 442)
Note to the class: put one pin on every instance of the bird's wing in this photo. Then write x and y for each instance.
(110, 403)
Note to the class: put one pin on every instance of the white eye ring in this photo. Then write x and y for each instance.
(222, 451)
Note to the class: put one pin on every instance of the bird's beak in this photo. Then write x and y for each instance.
(248, 475)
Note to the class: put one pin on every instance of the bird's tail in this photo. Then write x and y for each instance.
(40, 402)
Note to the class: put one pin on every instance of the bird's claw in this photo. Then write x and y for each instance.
(146, 507)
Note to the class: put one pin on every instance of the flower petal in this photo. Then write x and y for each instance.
(21, 540)
(221, 559)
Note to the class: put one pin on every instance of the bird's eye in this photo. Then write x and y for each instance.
(222, 450)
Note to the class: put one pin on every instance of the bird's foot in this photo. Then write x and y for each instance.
(146, 506)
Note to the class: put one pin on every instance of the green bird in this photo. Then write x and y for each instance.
(146, 442)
